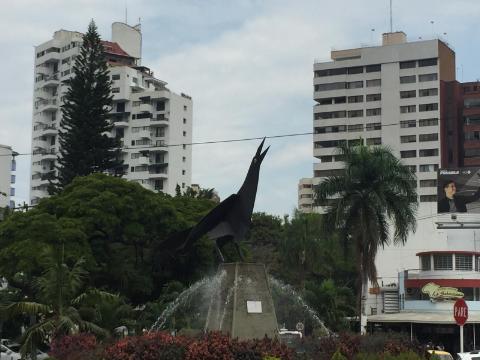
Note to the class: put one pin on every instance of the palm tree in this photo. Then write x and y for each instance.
(60, 294)
(375, 191)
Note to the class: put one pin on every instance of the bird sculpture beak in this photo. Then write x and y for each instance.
(260, 147)
(262, 155)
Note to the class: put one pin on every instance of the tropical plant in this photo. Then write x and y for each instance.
(85, 147)
(374, 191)
(61, 292)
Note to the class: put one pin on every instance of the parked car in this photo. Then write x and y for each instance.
(441, 355)
(10, 350)
(471, 355)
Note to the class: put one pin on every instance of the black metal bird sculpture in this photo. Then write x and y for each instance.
(230, 220)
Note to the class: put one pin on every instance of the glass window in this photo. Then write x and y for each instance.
(374, 97)
(463, 262)
(355, 99)
(329, 86)
(426, 262)
(428, 198)
(408, 64)
(408, 154)
(408, 139)
(374, 126)
(374, 141)
(374, 112)
(355, 127)
(427, 77)
(427, 62)
(428, 152)
(428, 122)
(407, 79)
(408, 123)
(428, 92)
(428, 167)
(355, 70)
(354, 84)
(408, 109)
(428, 107)
(428, 183)
(373, 68)
(408, 94)
(355, 113)
(374, 82)
(442, 262)
(428, 137)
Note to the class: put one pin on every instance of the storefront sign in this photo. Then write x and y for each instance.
(438, 293)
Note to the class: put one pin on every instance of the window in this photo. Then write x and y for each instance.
(471, 103)
(408, 139)
(428, 198)
(115, 90)
(408, 64)
(120, 107)
(355, 127)
(160, 105)
(374, 112)
(428, 92)
(355, 113)
(472, 135)
(355, 70)
(408, 94)
(330, 115)
(116, 77)
(470, 153)
(408, 109)
(145, 115)
(427, 77)
(426, 262)
(427, 62)
(136, 103)
(325, 159)
(412, 168)
(463, 262)
(66, 60)
(184, 133)
(335, 100)
(408, 123)
(407, 79)
(330, 72)
(355, 99)
(374, 126)
(354, 84)
(184, 146)
(428, 167)
(374, 141)
(408, 154)
(373, 68)
(442, 262)
(184, 107)
(330, 129)
(184, 120)
(428, 183)
(428, 107)
(183, 172)
(329, 86)
(428, 122)
(428, 152)
(374, 82)
(12, 179)
(328, 143)
(472, 120)
(428, 137)
(374, 97)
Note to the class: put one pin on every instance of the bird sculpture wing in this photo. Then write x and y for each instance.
(213, 219)
(186, 238)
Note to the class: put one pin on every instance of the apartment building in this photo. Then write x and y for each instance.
(153, 123)
(388, 94)
(7, 176)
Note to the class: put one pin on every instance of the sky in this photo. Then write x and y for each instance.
(246, 63)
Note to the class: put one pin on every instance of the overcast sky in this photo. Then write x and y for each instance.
(247, 65)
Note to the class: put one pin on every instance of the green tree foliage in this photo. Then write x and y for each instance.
(375, 189)
(61, 291)
(85, 147)
(118, 227)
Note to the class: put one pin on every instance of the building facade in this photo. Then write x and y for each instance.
(388, 95)
(153, 123)
(405, 95)
(7, 176)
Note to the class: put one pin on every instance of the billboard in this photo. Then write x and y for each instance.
(458, 190)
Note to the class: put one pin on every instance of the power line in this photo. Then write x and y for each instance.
(189, 144)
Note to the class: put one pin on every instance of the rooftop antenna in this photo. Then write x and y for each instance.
(433, 30)
(126, 13)
(371, 35)
(391, 25)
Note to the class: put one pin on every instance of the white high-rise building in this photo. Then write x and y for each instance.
(389, 95)
(153, 123)
(7, 176)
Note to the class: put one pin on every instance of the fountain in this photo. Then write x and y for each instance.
(239, 297)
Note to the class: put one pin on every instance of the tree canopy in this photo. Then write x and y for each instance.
(85, 144)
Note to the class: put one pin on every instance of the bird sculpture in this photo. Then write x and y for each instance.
(230, 220)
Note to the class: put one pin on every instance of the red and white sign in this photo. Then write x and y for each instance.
(460, 312)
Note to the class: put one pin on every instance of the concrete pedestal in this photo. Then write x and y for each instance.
(243, 305)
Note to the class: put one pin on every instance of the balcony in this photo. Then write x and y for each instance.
(158, 173)
(141, 160)
(159, 120)
(43, 69)
(51, 81)
(49, 130)
(145, 107)
(46, 105)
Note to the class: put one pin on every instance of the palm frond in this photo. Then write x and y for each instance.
(24, 307)
(36, 335)
(95, 295)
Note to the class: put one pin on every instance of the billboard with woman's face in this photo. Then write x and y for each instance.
(459, 190)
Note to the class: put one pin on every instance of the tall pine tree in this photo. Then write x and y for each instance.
(85, 147)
